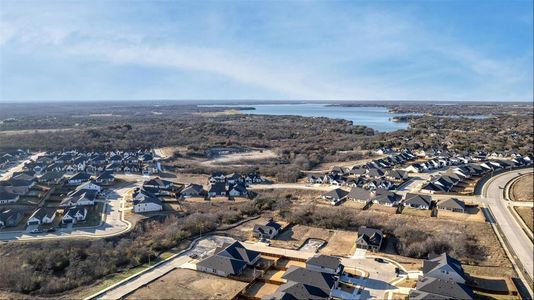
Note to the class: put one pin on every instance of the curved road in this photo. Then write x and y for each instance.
(493, 197)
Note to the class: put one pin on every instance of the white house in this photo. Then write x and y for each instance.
(74, 215)
(89, 185)
(444, 267)
(43, 215)
(146, 202)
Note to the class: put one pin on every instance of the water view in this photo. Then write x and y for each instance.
(377, 118)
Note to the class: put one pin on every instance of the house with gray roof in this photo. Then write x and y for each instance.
(435, 288)
(396, 175)
(267, 231)
(73, 215)
(217, 189)
(106, 178)
(359, 194)
(444, 267)
(192, 190)
(326, 282)
(51, 177)
(231, 259)
(8, 197)
(145, 201)
(10, 217)
(369, 238)
(79, 178)
(387, 198)
(43, 215)
(335, 196)
(295, 291)
(325, 264)
(417, 201)
(453, 204)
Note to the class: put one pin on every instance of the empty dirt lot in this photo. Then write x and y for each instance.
(522, 189)
(338, 242)
(189, 284)
(527, 214)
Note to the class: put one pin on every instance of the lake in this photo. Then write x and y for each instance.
(377, 118)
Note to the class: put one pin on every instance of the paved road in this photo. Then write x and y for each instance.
(114, 223)
(493, 197)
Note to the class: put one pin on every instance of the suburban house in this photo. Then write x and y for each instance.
(453, 204)
(43, 215)
(253, 178)
(80, 197)
(325, 283)
(359, 194)
(443, 278)
(17, 186)
(217, 177)
(386, 198)
(192, 190)
(217, 189)
(51, 177)
(73, 215)
(397, 175)
(237, 190)
(10, 217)
(267, 231)
(234, 178)
(228, 260)
(325, 264)
(7, 197)
(89, 185)
(444, 267)
(79, 178)
(417, 201)
(106, 178)
(144, 201)
(435, 288)
(335, 196)
(358, 171)
(159, 183)
(314, 178)
(369, 238)
(375, 173)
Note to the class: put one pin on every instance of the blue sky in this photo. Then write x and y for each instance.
(339, 50)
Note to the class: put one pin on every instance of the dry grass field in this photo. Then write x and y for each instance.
(189, 284)
(338, 242)
(522, 189)
(472, 214)
(186, 178)
(527, 214)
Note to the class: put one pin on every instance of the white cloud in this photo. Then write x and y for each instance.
(299, 74)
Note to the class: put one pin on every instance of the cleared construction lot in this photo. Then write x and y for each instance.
(189, 284)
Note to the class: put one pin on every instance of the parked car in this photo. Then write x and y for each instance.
(51, 229)
(36, 230)
(380, 260)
